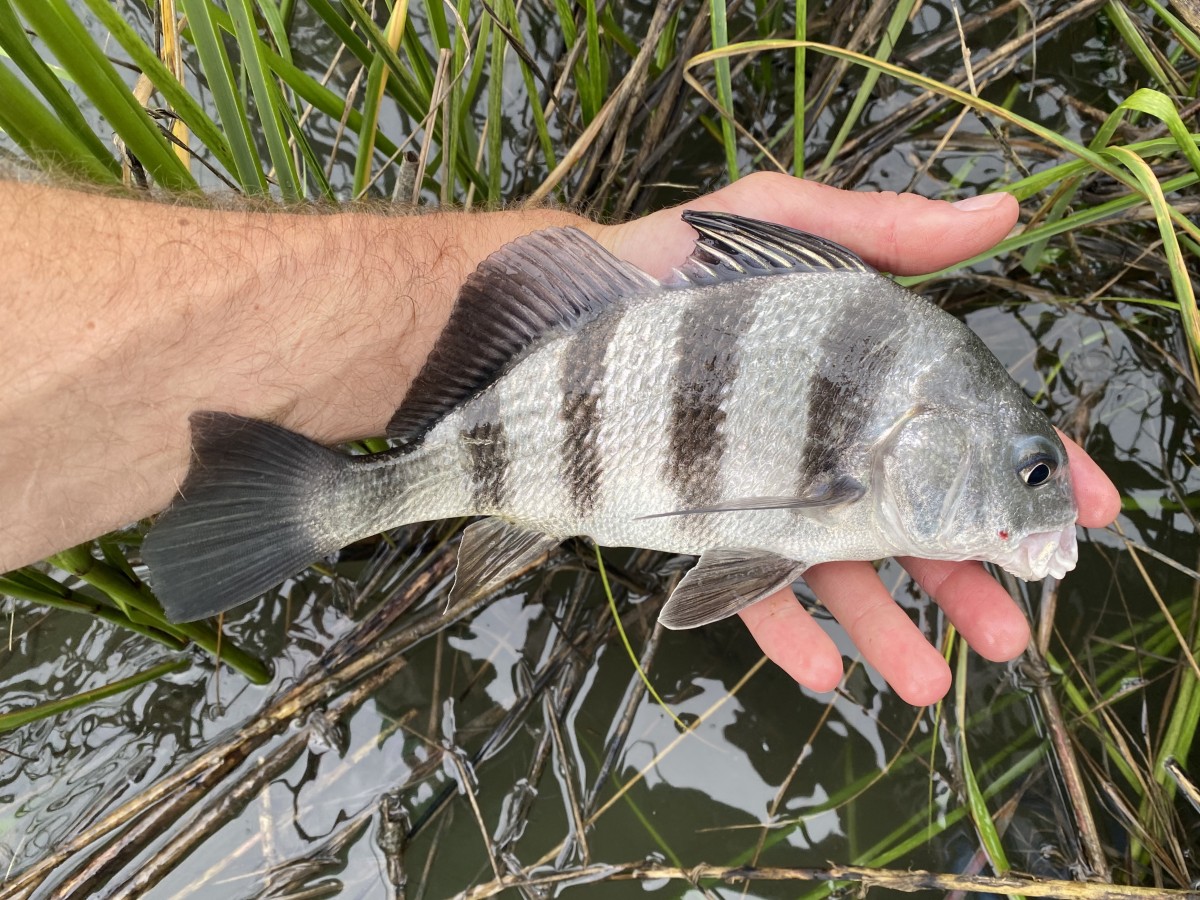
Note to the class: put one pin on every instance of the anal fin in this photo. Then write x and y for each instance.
(493, 552)
(725, 581)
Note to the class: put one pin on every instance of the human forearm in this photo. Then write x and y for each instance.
(123, 317)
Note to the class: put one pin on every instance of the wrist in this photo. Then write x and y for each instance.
(379, 289)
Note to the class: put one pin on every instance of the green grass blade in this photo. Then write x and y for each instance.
(321, 97)
(1181, 729)
(435, 13)
(1060, 203)
(881, 854)
(419, 62)
(267, 100)
(508, 10)
(1182, 33)
(471, 143)
(21, 585)
(36, 581)
(612, 605)
(1045, 178)
(136, 598)
(720, 39)
(1096, 160)
(1081, 219)
(44, 138)
(799, 90)
(19, 49)
(368, 126)
(1180, 276)
(891, 34)
(664, 53)
(305, 86)
(981, 816)
(457, 122)
(59, 27)
(495, 139)
(566, 22)
(19, 717)
(273, 16)
(344, 31)
(1132, 36)
(1159, 105)
(312, 164)
(181, 101)
(373, 98)
(478, 66)
(214, 63)
(404, 86)
(611, 29)
(593, 73)
(332, 104)
(1146, 100)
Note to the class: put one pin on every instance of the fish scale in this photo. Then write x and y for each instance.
(777, 405)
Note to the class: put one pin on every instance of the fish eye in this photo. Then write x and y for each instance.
(1037, 459)
(1037, 471)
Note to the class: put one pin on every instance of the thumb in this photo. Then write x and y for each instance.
(904, 234)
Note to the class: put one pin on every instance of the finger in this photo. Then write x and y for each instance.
(888, 639)
(792, 640)
(1095, 495)
(898, 233)
(979, 607)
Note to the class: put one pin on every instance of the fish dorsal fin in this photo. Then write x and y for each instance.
(552, 280)
(732, 246)
(725, 581)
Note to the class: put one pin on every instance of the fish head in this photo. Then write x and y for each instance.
(993, 486)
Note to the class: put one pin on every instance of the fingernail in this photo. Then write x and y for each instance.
(979, 202)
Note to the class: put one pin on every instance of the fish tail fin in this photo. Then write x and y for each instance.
(245, 518)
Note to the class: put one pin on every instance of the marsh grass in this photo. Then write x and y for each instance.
(617, 110)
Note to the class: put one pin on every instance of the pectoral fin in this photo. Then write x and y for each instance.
(827, 494)
(493, 552)
(724, 582)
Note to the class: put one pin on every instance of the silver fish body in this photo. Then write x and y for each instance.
(777, 405)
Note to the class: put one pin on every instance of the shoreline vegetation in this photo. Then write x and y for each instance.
(616, 111)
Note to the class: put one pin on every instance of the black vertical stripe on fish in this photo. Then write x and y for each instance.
(855, 359)
(544, 283)
(707, 363)
(582, 383)
(487, 455)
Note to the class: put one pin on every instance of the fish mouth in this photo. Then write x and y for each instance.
(1042, 553)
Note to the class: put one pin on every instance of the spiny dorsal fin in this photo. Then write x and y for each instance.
(552, 280)
(732, 246)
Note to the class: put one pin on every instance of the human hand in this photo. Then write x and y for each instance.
(902, 234)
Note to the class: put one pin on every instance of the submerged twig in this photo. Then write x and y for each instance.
(889, 879)
(1060, 738)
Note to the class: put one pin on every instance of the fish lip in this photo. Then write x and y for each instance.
(1041, 554)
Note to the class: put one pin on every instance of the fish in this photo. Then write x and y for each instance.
(774, 404)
